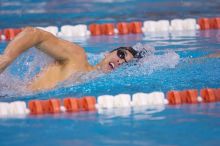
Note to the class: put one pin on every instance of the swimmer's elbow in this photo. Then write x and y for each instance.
(36, 34)
(31, 31)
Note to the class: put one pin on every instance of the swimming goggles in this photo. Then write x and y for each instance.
(121, 54)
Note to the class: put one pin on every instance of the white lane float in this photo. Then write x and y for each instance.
(189, 24)
(163, 25)
(184, 24)
(122, 100)
(176, 25)
(148, 99)
(4, 109)
(105, 101)
(138, 99)
(18, 108)
(52, 29)
(74, 31)
(156, 26)
(149, 26)
(13, 109)
(125, 100)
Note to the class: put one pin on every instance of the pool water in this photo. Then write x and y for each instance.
(172, 65)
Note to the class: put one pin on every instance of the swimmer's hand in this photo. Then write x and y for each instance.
(4, 62)
(214, 55)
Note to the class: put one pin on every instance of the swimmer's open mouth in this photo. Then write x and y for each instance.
(111, 65)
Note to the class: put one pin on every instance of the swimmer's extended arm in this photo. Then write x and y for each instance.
(59, 49)
(216, 55)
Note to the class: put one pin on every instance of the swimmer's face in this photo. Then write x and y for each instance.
(114, 59)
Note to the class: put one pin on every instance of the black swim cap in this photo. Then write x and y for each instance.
(130, 49)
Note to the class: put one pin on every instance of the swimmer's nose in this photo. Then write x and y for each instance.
(120, 61)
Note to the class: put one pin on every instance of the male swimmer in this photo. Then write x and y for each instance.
(69, 58)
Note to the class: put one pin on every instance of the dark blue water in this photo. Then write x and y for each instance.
(21, 13)
(170, 125)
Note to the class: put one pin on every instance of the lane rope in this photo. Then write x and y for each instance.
(91, 103)
(122, 28)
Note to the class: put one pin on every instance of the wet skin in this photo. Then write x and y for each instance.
(69, 58)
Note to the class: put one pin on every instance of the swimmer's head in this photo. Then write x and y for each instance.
(117, 57)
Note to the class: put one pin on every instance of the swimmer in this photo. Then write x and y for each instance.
(69, 58)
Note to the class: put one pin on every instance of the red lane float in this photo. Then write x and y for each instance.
(107, 29)
(95, 29)
(217, 94)
(0, 35)
(88, 103)
(180, 97)
(192, 96)
(135, 27)
(209, 94)
(100, 29)
(71, 104)
(10, 33)
(216, 23)
(174, 97)
(209, 23)
(35, 107)
(53, 105)
(123, 28)
(184, 96)
(44, 106)
(204, 23)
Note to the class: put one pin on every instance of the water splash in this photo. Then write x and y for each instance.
(144, 49)
(151, 61)
(14, 79)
